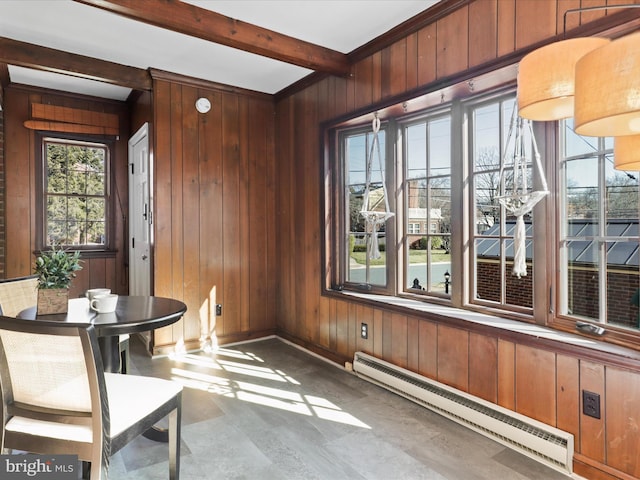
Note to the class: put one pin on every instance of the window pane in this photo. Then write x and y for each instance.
(440, 146)
(487, 209)
(428, 196)
(621, 193)
(584, 288)
(582, 195)
(488, 270)
(575, 144)
(486, 137)
(75, 193)
(366, 263)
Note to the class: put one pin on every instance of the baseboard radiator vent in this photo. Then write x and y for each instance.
(544, 443)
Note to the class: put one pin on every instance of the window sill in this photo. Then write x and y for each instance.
(585, 347)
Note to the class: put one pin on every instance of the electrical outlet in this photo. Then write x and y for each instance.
(364, 330)
(218, 309)
(591, 404)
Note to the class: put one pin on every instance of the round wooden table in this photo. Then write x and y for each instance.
(132, 315)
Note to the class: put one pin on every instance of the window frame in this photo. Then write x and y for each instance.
(339, 279)
(424, 118)
(546, 224)
(108, 248)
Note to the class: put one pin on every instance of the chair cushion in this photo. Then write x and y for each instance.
(133, 397)
(42, 428)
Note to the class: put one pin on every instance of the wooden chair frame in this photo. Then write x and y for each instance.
(102, 388)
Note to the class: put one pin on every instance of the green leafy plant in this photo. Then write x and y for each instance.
(56, 268)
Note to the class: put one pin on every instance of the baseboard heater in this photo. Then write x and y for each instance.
(544, 443)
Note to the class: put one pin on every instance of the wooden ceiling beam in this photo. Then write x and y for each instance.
(4, 81)
(211, 26)
(36, 57)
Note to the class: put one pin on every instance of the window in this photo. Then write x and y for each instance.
(75, 194)
(452, 240)
(599, 233)
(493, 227)
(427, 180)
(365, 250)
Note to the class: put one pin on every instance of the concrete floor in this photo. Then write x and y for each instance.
(267, 410)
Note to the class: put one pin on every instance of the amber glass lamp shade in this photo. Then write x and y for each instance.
(607, 98)
(626, 153)
(546, 78)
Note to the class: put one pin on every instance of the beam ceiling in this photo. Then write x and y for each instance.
(201, 23)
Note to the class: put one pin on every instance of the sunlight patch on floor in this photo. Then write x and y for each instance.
(273, 397)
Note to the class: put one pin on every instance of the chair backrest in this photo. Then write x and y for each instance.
(52, 371)
(17, 294)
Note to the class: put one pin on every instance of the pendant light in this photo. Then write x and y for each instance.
(607, 96)
(546, 78)
(626, 153)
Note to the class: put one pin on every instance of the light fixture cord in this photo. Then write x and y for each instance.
(591, 9)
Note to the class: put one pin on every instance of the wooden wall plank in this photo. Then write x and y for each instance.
(412, 61)
(258, 241)
(399, 329)
(568, 394)
(210, 217)
(342, 328)
(19, 194)
(507, 374)
(398, 65)
(177, 205)
(506, 27)
(622, 413)
(453, 43)
(244, 228)
(413, 343)
(364, 82)
(427, 48)
(536, 384)
(190, 218)
(483, 31)
(483, 376)
(428, 335)
(535, 21)
(453, 357)
(592, 431)
(230, 214)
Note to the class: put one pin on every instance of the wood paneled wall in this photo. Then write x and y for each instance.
(532, 379)
(20, 189)
(215, 205)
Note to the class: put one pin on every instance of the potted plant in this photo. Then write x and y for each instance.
(55, 269)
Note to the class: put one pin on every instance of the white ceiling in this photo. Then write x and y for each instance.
(342, 25)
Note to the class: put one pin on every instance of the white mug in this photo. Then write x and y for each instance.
(104, 303)
(97, 291)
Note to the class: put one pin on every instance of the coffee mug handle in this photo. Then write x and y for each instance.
(94, 304)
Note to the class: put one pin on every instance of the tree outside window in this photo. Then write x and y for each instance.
(75, 193)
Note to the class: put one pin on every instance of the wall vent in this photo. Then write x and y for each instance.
(544, 443)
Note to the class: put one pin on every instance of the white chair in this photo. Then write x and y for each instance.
(17, 294)
(56, 398)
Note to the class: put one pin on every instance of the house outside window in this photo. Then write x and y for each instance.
(75, 194)
(427, 180)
